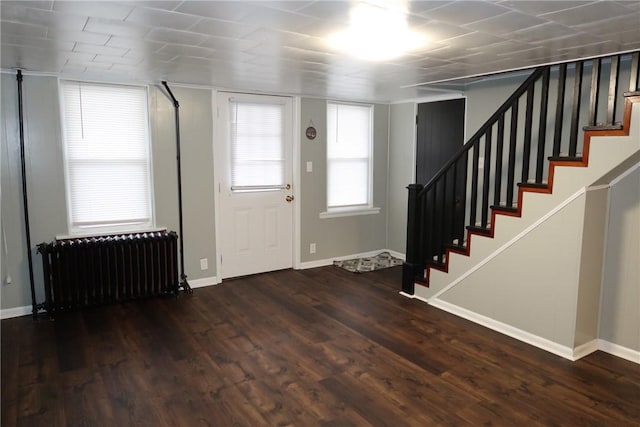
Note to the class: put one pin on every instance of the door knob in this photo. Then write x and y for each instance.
(289, 199)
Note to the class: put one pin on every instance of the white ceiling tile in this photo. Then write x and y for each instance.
(98, 66)
(631, 38)
(99, 50)
(465, 12)
(25, 30)
(419, 7)
(229, 44)
(175, 36)
(589, 13)
(633, 4)
(543, 32)
(96, 9)
(46, 5)
(116, 28)
(224, 10)
(157, 4)
(601, 48)
(278, 19)
(290, 6)
(473, 40)
(117, 59)
(539, 7)
(628, 22)
(337, 11)
(45, 18)
(135, 44)
(181, 50)
(78, 57)
(216, 27)
(37, 42)
(436, 31)
(78, 36)
(162, 18)
(506, 23)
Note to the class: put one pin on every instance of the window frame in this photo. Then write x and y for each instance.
(102, 230)
(354, 209)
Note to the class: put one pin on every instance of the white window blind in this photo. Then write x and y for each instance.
(257, 145)
(349, 155)
(107, 156)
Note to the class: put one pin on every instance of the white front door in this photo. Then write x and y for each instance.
(254, 169)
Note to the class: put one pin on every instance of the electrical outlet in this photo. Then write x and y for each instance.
(309, 166)
(312, 248)
(204, 264)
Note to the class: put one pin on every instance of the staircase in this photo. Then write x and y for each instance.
(566, 128)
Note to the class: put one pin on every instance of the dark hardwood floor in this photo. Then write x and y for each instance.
(319, 347)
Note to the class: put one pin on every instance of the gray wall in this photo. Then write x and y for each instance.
(620, 302)
(401, 172)
(46, 186)
(335, 237)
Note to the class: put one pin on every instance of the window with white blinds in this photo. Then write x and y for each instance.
(349, 155)
(107, 157)
(257, 145)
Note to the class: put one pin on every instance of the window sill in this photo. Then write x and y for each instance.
(355, 211)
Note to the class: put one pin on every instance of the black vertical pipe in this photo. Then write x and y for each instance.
(183, 277)
(25, 199)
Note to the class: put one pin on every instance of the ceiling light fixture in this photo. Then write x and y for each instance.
(377, 33)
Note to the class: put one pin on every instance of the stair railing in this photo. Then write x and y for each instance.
(510, 150)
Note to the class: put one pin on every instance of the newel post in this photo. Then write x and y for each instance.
(413, 262)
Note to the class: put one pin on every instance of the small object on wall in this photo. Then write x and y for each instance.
(311, 131)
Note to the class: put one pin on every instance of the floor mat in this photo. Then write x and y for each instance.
(362, 265)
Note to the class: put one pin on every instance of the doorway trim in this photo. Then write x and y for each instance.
(296, 105)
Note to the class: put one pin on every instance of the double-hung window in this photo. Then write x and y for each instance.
(107, 159)
(349, 157)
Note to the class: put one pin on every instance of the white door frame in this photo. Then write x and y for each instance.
(296, 180)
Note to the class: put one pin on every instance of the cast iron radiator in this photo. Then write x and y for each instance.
(99, 270)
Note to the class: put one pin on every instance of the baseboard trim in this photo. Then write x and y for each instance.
(8, 313)
(204, 282)
(585, 349)
(619, 351)
(329, 261)
(513, 332)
